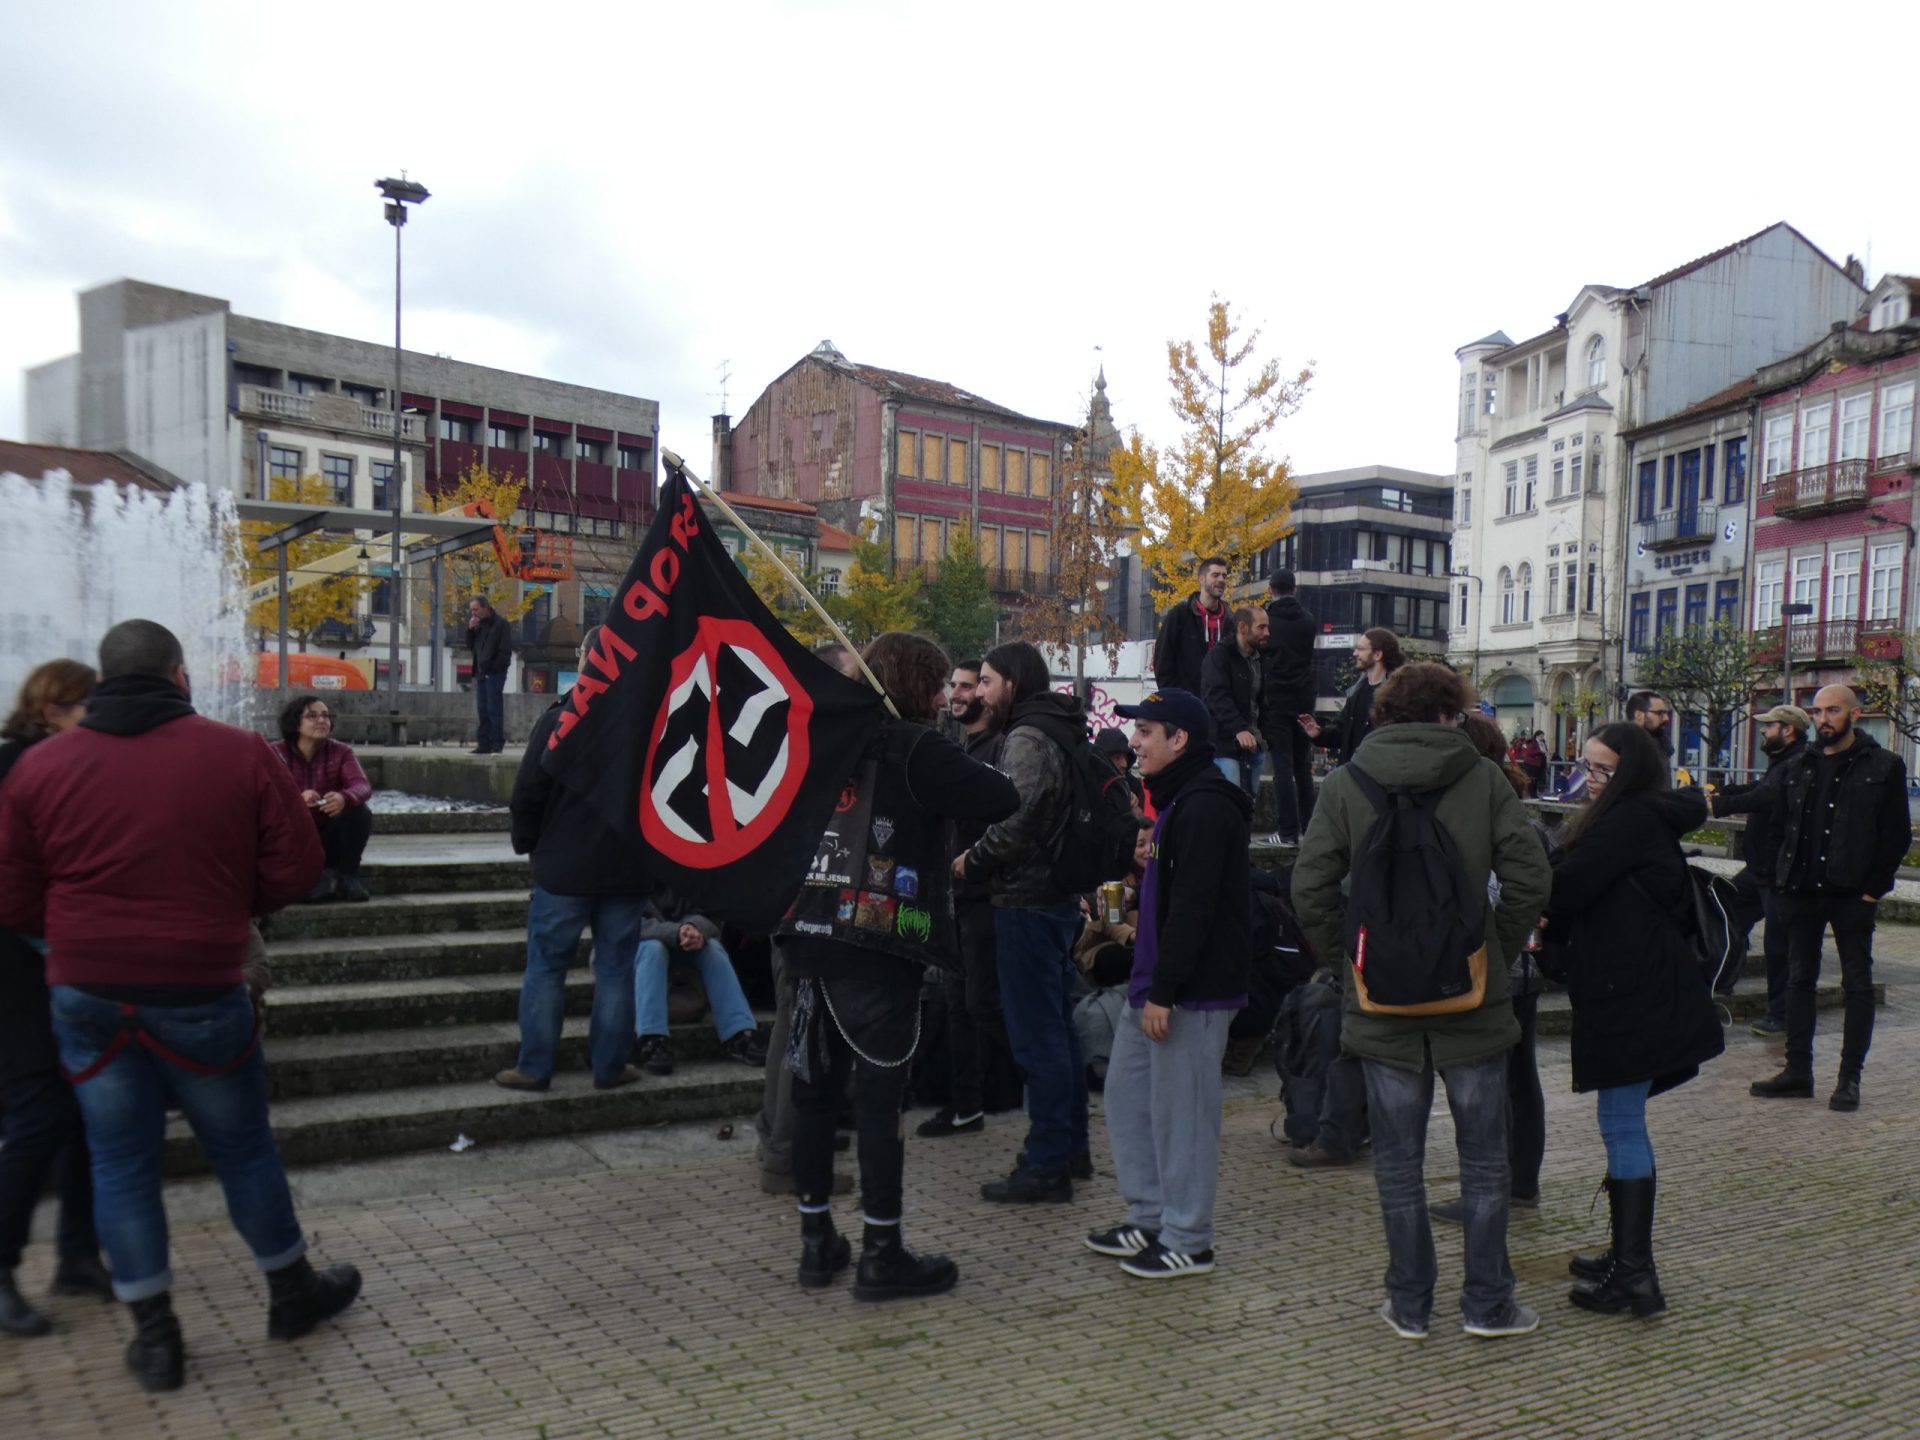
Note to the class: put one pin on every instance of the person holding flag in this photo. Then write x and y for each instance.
(874, 910)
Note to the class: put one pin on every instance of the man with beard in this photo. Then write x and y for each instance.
(1287, 683)
(1192, 628)
(1783, 736)
(1376, 655)
(1841, 808)
(976, 1034)
(1035, 921)
(1653, 713)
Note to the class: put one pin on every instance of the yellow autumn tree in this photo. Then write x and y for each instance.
(872, 598)
(325, 575)
(772, 586)
(1215, 491)
(476, 570)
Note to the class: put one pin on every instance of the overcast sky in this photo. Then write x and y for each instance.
(1003, 196)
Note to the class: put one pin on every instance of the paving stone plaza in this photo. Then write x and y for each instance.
(637, 1283)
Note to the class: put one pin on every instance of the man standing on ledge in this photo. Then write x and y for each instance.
(1841, 814)
(492, 642)
(1192, 628)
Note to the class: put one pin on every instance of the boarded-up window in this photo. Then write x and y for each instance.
(1013, 553)
(956, 462)
(931, 547)
(1016, 472)
(1038, 476)
(909, 448)
(931, 467)
(989, 466)
(990, 546)
(1037, 552)
(903, 533)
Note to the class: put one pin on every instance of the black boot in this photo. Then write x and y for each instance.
(1789, 1084)
(890, 1271)
(1630, 1282)
(155, 1355)
(17, 1317)
(1595, 1267)
(824, 1251)
(301, 1297)
(85, 1276)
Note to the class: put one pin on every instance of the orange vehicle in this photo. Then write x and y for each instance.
(314, 672)
(528, 553)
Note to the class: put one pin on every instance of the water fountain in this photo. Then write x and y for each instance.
(79, 559)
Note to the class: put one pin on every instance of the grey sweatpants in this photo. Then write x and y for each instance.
(1163, 1120)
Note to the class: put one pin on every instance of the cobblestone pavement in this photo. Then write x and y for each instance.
(658, 1299)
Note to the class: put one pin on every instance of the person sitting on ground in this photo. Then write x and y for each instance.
(336, 790)
(674, 930)
(140, 843)
(40, 1131)
(1113, 745)
(1104, 957)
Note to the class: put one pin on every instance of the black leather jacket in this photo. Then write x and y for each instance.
(1867, 834)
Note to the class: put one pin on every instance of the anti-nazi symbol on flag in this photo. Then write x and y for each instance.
(728, 751)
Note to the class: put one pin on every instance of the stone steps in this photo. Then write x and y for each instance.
(446, 877)
(441, 822)
(362, 958)
(333, 1128)
(431, 914)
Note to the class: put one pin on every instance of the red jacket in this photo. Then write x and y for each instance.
(141, 853)
(333, 768)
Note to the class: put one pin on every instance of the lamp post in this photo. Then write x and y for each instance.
(399, 194)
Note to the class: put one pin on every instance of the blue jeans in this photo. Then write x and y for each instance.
(1036, 997)
(1622, 1113)
(1399, 1102)
(1243, 771)
(125, 1106)
(731, 1013)
(490, 710)
(554, 925)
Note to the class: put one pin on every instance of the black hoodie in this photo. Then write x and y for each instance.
(1016, 855)
(1194, 937)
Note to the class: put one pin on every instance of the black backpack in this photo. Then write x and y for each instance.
(1713, 937)
(1096, 844)
(1416, 922)
(1306, 1042)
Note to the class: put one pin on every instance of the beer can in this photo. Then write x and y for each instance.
(1113, 902)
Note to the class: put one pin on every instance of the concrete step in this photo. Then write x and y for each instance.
(311, 1066)
(352, 959)
(446, 877)
(430, 914)
(1556, 1011)
(441, 822)
(334, 1128)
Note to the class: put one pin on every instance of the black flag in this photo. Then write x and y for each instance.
(710, 739)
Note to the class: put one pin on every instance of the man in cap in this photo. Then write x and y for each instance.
(1783, 739)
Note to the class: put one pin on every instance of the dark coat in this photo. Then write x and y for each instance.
(1287, 658)
(1182, 645)
(492, 642)
(574, 851)
(1202, 882)
(1343, 737)
(1230, 684)
(1015, 855)
(26, 1020)
(1760, 841)
(1621, 910)
(1871, 831)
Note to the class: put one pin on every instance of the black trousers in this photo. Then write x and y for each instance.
(1807, 918)
(881, 1019)
(1760, 904)
(1526, 1101)
(41, 1136)
(344, 837)
(1292, 763)
(976, 1030)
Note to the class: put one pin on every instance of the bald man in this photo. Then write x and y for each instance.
(1841, 815)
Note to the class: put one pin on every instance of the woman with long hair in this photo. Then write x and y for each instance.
(40, 1131)
(1643, 1018)
(872, 914)
(336, 791)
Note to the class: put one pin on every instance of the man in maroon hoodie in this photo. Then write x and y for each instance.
(140, 844)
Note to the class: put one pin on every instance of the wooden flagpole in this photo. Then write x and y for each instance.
(679, 466)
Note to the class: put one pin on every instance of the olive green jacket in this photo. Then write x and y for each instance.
(1488, 826)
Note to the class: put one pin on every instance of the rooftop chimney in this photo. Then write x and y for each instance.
(1856, 272)
(723, 452)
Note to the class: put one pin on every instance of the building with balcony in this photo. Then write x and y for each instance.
(1835, 521)
(1371, 546)
(921, 458)
(1542, 484)
(235, 402)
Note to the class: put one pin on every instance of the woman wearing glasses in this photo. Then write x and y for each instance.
(1643, 1019)
(336, 791)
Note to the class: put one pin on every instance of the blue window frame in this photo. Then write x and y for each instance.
(1696, 613)
(1726, 602)
(1645, 511)
(1666, 485)
(1735, 488)
(1666, 606)
(1706, 475)
(1637, 625)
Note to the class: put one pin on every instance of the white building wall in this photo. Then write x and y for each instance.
(53, 402)
(176, 397)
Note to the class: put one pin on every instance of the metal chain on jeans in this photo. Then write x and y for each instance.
(878, 1064)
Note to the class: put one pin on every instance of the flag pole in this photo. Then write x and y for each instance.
(679, 466)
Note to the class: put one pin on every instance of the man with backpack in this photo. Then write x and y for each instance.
(1036, 916)
(1189, 977)
(1414, 825)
